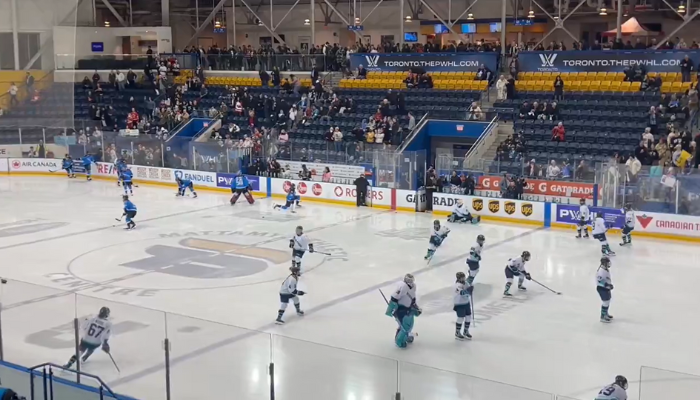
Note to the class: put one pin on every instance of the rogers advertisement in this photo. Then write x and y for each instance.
(349, 192)
(540, 187)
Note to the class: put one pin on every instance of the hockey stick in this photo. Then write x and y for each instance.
(395, 319)
(325, 254)
(114, 362)
(119, 219)
(553, 291)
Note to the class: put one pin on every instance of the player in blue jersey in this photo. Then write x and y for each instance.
(127, 177)
(183, 185)
(120, 165)
(87, 164)
(68, 166)
(129, 212)
(240, 185)
(292, 199)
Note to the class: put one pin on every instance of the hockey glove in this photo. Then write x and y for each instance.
(470, 290)
(391, 308)
(609, 286)
(105, 347)
(291, 243)
(528, 276)
(300, 292)
(311, 248)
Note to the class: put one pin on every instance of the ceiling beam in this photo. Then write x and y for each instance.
(114, 12)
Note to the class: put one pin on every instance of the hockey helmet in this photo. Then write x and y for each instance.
(409, 279)
(436, 224)
(605, 262)
(300, 230)
(526, 255)
(480, 239)
(461, 277)
(621, 381)
(582, 202)
(104, 312)
(294, 270)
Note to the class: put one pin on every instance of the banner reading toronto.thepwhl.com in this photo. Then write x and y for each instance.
(427, 61)
(604, 61)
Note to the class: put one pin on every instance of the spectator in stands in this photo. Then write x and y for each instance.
(687, 67)
(553, 170)
(653, 120)
(558, 88)
(581, 172)
(455, 179)
(633, 166)
(474, 113)
(13, 94)
(131, 78)
(648, 137)
(483, 74)
(95, 79)
(132, 119)
(693, 105)
(29, 83)
(510, 87)
(327, 176)
(524, 110)
(337, 139)
(121, 81)
(662, 151)
(514, 68)
(469, 185)
(639, 45)
(501, 88)
(565, 170)
(361, 72)
(531, 170)
(112, 79)
(86, 83)
(36, 97)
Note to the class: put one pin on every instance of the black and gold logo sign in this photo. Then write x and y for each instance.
(526, 209)
(478, 204)
(494, 206)
(509, 207)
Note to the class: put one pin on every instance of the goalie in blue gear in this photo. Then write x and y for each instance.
(67, 165)
(292, 200)
(183, 185)
(461, 214)
(402, 306)
(127, 178)
(437, 236)
(240, 185)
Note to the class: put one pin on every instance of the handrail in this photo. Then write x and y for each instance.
(95, 377)
(472, 150)
(413, 133)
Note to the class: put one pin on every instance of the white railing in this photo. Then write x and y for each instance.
(482, 144)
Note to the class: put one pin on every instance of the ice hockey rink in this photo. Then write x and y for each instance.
(206, 276)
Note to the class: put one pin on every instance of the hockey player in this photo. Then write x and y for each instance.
(599, 230)
(516, 267)
(629, 225)
(292, 200)
(289, 291)
(183, 185)
(67, 165)
(127, 178)
(240, 185)
(461, 214)
(604, 288)
(87, 164)
(120, 166)
(96, 332)
(436, 237)
(462, 300)
(129, 212)
(615, 391)
(474, 258)
(403, 307)
(299, 243)
(583, 219)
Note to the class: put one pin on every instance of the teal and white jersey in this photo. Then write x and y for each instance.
(612, 392)
(475, 253)
(599, 226)
(630, 219)
(603, 278)
(460, 210)
(461, 295)
(96, 330)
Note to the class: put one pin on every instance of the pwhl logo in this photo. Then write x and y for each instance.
(644, 220)
(548, 60)
(372, 61)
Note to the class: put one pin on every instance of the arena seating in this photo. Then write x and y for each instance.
(596, 82)
(395, 80)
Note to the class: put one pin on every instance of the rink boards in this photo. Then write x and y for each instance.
(655, 225)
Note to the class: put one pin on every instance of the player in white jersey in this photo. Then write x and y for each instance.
(475, 257)
(630, 220)
(599, 230)
(583, 219)
(516, 267)
(604, 287)
(299, 243)
(95, 333)
(460, 213)
(403, 307)
(437, 235)
(462, 306)
(289, 291)
(615, 391)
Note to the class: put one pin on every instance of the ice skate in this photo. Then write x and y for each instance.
(279, 321)
(606, 319)
(459, 336)
(467, 335)
(522, 288)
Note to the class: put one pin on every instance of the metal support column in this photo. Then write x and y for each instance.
(558, 22)
(442, 21)
(15, 32)
(342, 18)
(206, 22)
(165, 12)
(233, 21)
(504, 11)
(313, 24)
(401, 16)
(272, 19)
(618, 34)
(269, 28)
(114, 12)
(454, 22)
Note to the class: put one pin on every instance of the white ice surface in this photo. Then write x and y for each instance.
(64, 259)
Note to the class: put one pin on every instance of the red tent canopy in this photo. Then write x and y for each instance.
(632, 27)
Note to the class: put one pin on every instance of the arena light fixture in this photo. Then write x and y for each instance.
(307, 22)
(217, 24)
(603, 11)
(408, 19)
(106, 24)
(470, 17)
(531, 14)
(357, 20)
(681, 9)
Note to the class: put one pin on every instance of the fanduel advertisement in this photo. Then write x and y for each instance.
(570, 215)
(225, 180)
(604, 61)
(444, 62)
(197, 177)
